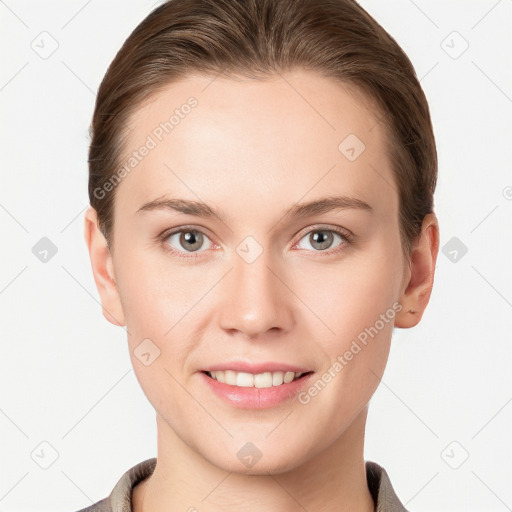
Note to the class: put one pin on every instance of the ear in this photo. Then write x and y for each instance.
(417, 286)
(103, 269)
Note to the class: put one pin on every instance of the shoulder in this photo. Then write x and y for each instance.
(120, 499)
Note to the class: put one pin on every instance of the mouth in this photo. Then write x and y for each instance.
(260, 380)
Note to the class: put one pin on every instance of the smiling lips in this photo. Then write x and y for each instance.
(260, 380)
(255, 385)
(259, 375)
(255, 391)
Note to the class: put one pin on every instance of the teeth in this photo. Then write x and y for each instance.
(248, 380)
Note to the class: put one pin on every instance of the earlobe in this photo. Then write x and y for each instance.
(418, 288)
(103, 269)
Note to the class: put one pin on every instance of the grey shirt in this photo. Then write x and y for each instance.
(120, 499)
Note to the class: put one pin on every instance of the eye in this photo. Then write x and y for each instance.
(321, 239)
(185, 240)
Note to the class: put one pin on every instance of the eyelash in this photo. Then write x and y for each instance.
(345, 235)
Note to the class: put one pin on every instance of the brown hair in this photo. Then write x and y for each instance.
(257, 38)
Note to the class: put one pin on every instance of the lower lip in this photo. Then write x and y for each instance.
(256, 398)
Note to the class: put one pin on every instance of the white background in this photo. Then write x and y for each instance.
(65, 374)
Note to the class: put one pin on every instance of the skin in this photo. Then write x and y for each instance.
(254, 149)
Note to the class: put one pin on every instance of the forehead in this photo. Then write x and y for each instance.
(295, 136)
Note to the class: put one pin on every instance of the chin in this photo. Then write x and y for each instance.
(272, 464)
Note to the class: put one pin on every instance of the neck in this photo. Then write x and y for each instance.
(333, 480)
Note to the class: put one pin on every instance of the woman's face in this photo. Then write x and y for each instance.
(258, 285)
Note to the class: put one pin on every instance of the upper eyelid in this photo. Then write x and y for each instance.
(168, 232)
(318, 227)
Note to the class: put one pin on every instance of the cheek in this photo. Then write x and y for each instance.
(159, 310)
(350, 297)
(356, 305)
(155, 293)
(359, 306)
(162, 303)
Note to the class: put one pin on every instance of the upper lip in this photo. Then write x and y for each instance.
(256, 368)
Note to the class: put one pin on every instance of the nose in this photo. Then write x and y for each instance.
(256, 298)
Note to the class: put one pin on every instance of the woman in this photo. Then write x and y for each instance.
(261, 185)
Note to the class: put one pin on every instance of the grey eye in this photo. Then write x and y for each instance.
(190, 240)
(321, 239)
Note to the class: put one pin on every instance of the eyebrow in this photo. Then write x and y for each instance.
(300, 210)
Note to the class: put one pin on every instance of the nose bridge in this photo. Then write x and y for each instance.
(255, 296)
